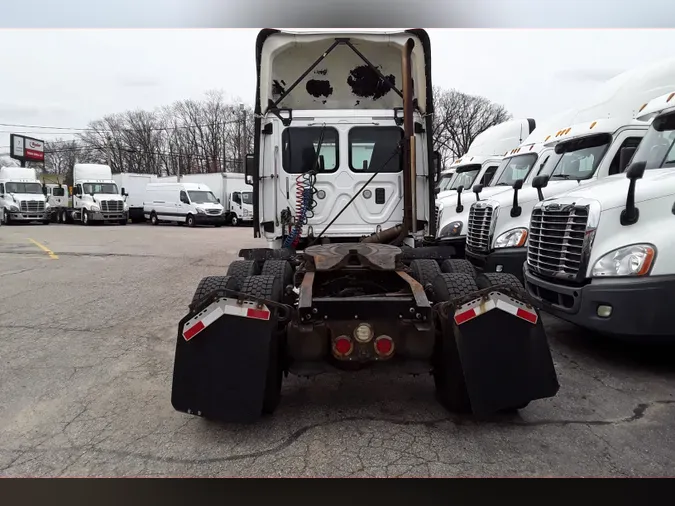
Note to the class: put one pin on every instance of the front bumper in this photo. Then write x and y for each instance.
(641, 307)
(210, 219)
(106, 216)
(457, 242)
(508, 260)
(30, 216)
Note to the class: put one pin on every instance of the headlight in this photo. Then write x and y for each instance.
(515, 238)
(94, 207)
(634, 260)
(14, 208)
(200, 210)
(451, 229)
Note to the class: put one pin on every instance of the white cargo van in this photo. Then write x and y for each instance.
(190, 203)
(132, 187)
(235, 194)
(21, 196)
(602, 256)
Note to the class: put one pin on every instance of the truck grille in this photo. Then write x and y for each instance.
(32, 206)
(556, 241)
(213, 211)
(112, 206)
(478, 229)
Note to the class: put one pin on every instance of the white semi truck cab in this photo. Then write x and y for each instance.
(602, 256)
(497, 234)
(96, 197)
(21, 196)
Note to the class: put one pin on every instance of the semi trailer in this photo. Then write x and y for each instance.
(343, 177)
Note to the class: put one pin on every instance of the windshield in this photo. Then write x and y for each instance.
(465, 178)
(515, 168)
(23, 188)
(581, 157)
(247, 197)
(202, 197)
(96, 188)
(657, 148)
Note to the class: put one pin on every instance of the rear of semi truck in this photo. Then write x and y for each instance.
(343, 176)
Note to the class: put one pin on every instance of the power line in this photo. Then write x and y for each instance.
(148, 152)
(75, 130)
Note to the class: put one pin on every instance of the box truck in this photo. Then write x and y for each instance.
(132, 188)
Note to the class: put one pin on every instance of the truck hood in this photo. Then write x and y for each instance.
(107, 196)
(26, 196)
(210, 205)
(611, 191)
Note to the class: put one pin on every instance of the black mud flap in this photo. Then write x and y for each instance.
(502, 349)
(221, 361)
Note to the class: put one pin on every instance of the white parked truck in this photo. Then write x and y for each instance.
(132, 188)
(21, 196)
(96, 197)
(343, 193)
(602, 256)
(592, 148)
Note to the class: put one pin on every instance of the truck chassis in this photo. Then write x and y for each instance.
(351, 306)
(65, 214)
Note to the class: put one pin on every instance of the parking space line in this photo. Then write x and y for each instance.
(51, 254)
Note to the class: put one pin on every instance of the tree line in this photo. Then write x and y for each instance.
(214, 134)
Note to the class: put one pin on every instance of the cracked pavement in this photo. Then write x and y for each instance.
(87, 356)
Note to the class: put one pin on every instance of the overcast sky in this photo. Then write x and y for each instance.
(66, 78)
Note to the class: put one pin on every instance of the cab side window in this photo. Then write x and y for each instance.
(489, 174)
(184, 198)
(615, 166)
(236, 198)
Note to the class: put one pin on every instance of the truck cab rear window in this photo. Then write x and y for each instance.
(58, 192)
(373, 149)
(301, 148)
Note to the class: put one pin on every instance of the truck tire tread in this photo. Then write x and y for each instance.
(278, 268)
(489, 279)
(453, 285)
(211, 283)
(425, 270)
(454, 265)
(241, 269)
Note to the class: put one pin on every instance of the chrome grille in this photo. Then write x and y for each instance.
(478, 229)
(556, 241)
(32, 206)
(213, 211)
(112, 206)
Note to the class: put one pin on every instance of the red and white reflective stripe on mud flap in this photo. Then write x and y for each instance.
(473, 309)
(495, 300)
(220, 308)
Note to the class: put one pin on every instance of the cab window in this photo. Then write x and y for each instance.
(375, 149)
(301, 147)
(184, 198)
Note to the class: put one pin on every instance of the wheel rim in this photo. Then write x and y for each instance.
(85, 216)
(234, 220)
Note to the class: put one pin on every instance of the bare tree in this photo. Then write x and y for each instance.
(459, 118)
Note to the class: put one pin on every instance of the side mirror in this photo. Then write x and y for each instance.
(477, 189)
(459, 207)
(625, 155)
(437, 190)
(631, 214)
(516, 209)
(44, 190)
(437, 164)
(636, 170)
(540, 182)
(123, 192)
(218, 200)
(250, 168)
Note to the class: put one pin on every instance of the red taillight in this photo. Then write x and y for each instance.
(384, 346)
(342, 346)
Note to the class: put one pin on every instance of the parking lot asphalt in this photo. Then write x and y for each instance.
(88, 323)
